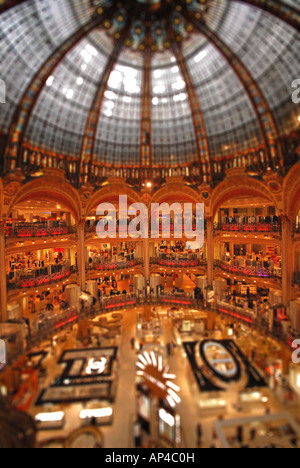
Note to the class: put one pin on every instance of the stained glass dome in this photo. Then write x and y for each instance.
(148, 82)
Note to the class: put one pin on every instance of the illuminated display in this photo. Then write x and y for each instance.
(50, 417)
(157, 378)
(96, 413)
(220, 359)
(96, 367)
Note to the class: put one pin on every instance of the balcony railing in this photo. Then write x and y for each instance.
(31, 281)
(255, 227)
(180, 263)
(118, 266)
(37, 231)
(59, 322)
(259, 272)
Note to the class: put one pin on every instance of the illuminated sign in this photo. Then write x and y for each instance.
(96, 367)
(50, 417)
(157, 378)
(220, 359)
(167, 418)
(96, 413)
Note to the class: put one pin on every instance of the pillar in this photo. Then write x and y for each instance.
(286, 359)
(139, 250)
(68, 219)
(3, 284)
(286, 249)
(147, 259)
(210, 252)
(81, 256)
(249, 248)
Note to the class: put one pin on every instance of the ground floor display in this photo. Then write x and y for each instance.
(195, 379)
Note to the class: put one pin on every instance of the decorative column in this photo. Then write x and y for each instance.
(81, 255)
(210, 252)
(286, 249)
(147, 259)
(146, 110)
(232, 250)
(3, 284)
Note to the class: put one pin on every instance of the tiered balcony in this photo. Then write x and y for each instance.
(258, 272)
(191, 261)
(118, 266)
(261, 228)
(24, 231)
(30, 281)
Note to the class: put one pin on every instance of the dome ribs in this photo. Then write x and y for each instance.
(88, 144)
(277, 8)
(29, 98)
(262, 110)
(146, 155)
(8, 4)
(197, 116)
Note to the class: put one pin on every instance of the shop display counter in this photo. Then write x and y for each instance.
(212, 406)
(52, 421)
(248, 400)
(101, 416)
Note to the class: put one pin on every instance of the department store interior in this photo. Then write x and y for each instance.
(148, 342)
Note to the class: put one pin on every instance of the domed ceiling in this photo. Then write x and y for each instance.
(148, 82)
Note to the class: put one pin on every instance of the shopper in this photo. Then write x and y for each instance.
(132, 342)
(199, 433)
(137, 430)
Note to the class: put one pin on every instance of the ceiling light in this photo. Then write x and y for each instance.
(175, 69)
(158, 73)
(180, 97)
(50, 81)
(128, 71)
(79, 81)
(200, 56)
(115, 79)
(179, 85)
(159, 89)
(91, 50)
(69, 94)
(108, 113)
(110, 95)
(110, 104)
(127, 99)
(86, 56)
(155, 101)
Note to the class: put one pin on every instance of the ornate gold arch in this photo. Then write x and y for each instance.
(237, 186)
(177, 189)
(50, 188)
(291, 191)
(112, 191)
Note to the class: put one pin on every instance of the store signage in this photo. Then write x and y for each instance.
(167, 418)
(97, 413)
(96, 366)
(50, 417)
(220, 359)
(157, 379)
